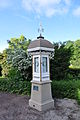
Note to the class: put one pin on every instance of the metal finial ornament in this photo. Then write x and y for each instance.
(40, 30)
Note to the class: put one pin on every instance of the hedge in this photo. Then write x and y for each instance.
(60, 89)
(66, 89)
(19, 87)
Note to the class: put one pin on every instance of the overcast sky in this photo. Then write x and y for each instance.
(60, 19)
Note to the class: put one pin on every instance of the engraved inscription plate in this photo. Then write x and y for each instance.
(35, 88)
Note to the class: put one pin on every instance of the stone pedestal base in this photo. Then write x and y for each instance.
(41, 98)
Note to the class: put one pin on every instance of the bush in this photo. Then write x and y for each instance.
(78, 96)
(0, 71)
(15, 83)
(60, 89)
(14, 75)
(66, 89)
(19, 87)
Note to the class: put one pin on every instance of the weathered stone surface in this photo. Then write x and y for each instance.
(15, 107)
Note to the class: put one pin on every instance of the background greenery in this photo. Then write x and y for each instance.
(16, 68)
(14, 86)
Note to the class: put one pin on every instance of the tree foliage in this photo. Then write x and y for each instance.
(75, 59)
(60, 62)
(17, 43)
(21, 62)
(3, 62)
(64, 64)
(66, 60)
(0, 65)
(0, 71)
(17, 56)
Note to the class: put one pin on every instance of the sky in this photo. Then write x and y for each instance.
(60, 20)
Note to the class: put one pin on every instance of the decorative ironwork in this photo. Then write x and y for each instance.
(40, 30)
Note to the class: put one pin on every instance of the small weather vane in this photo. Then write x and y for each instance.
(40, 30)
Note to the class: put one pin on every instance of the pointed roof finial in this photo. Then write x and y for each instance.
(40, 30)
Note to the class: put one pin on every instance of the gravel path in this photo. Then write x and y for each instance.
(15, 107)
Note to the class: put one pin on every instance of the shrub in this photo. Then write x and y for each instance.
(14, 75)
(65, 89)
(60, 89)
(19, 87)
(15, 83)
(78, 96)
(0, 71)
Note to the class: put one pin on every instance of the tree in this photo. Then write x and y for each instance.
(0, 65)
(20, 42)
(60, 62)
(10, 56)
(3, 62)
(75, 59)
(18, 58)
(21, 62)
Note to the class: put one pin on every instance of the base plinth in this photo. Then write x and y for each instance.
(41, 98)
